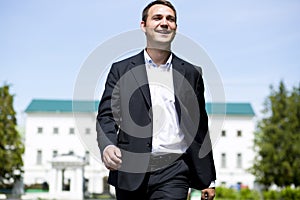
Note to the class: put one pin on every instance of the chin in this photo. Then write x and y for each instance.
(164, 40)
(161, 46)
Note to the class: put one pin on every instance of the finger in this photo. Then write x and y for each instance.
(118, 153)
(110, 164)
(211, 195)
(109, 161)
(113, 156)
(204, 195)
(105, 161)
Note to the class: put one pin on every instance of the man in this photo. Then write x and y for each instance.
(151, 123)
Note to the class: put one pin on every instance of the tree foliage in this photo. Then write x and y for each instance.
(277, 141)
(11, 145)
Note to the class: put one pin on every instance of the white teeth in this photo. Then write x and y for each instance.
(164, 32)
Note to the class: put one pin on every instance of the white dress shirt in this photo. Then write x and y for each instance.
(167, 137)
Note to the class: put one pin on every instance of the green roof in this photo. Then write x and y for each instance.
(230, 109)
(46, 105)
(66, 106)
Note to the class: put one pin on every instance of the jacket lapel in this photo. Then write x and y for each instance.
(138, 70)
(178, 74)
(178, 78)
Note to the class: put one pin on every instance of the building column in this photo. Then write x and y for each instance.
(55, 185)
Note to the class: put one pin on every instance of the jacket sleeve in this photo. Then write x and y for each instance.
(200, 151)
(108, 117)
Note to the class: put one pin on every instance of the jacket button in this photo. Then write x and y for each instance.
(149, 144)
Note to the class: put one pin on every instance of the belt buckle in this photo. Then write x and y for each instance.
(161, 161)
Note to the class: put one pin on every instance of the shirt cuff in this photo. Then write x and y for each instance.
(212, 184)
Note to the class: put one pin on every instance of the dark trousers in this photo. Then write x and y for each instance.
(168, 183)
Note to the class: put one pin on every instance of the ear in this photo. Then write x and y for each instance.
(143, 26)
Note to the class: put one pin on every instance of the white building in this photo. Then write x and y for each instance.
(51, 131)
(233, 149)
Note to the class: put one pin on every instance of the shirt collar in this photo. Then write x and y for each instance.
(150, 62)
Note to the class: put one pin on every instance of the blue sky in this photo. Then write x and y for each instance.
(43, 43)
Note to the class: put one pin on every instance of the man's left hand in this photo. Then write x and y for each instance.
(208, 194)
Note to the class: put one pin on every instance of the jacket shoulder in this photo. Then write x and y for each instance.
(189, 66)
(135, 59)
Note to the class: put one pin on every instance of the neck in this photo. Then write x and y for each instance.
(158, 56)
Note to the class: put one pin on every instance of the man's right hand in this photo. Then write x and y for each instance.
(112, 157)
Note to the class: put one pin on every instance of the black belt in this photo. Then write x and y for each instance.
(159, 161)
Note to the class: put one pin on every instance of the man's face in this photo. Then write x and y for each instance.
(160, 26)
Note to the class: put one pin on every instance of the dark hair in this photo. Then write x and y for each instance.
(161, 2)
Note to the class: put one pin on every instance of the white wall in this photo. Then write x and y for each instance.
(63, 143)
(231, 145)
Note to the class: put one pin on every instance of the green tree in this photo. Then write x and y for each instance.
(277, 140)
(11, 145)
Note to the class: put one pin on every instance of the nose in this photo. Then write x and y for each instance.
(164, 22)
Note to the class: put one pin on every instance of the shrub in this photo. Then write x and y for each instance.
(248, 194)
(228, 193)
(289, 193)
(271, 195)
(285, 194)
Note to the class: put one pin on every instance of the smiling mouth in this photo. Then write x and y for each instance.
(163, 31)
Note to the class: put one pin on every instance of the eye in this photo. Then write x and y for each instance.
(171, 19)
(157, 17)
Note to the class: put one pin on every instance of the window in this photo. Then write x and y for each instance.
(223, 134)
(105, 184)
(239, 133)
(87, 131)
(239, 160)
(66, 182)
(39, 157)
(87, 157)
(55, 130)
(54, 153)
(39, 130)
(223, 160)
(71, 131)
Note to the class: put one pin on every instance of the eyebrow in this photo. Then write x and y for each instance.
(160, 15)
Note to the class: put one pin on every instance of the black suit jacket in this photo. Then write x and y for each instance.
(125, 119)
